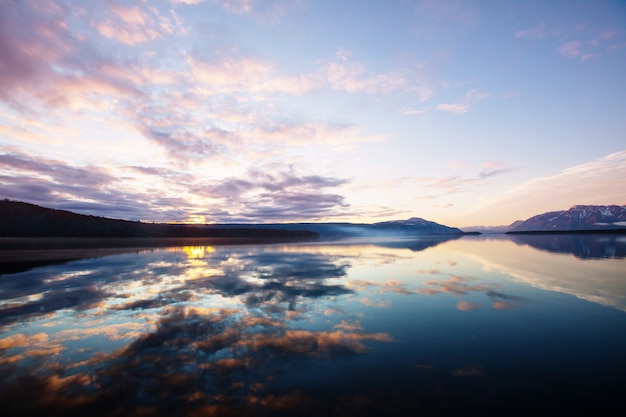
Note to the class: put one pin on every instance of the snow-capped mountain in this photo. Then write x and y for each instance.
(576, 218)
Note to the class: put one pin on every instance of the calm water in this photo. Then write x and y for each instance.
(531, 326)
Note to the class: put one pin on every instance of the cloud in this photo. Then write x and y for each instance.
(49, 62)
(233, 6)
(23, 341)
(353, 78)
(467, 306)
(213, 107)
(457, 164)
(464, 104)
(574, 49)
(453, 108)
(132, 25)
(162, 172)
(589, 44)
(231, 74)
(595, 182)
(349, 326)
(208, 112)
(337, 135)
(539, 31)
(55, 170)
(443, 16)
(261, 194)
(493, 172)
(187, 1)
(86, 189)
(503, 305)
(457, 184)
(453, 285)
(378, 304)
(236, 6)
(277, 196)
(410, 111)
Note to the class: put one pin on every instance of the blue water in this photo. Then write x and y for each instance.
(439, 327)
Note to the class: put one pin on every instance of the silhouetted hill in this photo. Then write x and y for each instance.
(576, 219)
(19, 219)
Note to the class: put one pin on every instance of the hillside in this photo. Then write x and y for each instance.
(576, 219)
(19, 219)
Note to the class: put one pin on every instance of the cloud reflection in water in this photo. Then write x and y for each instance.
(274, 330)
(189, 330)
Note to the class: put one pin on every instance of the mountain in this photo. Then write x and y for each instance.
(492, 229)
(577, 218)
(416, 225)
(413, 227)
(19, 219)
(486, 229)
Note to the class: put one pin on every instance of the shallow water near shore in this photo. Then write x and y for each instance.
(466, 325)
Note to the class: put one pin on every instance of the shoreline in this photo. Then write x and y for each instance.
(570, 232)
(23, 253)
(9, 244)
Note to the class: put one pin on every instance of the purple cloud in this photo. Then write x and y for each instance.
(258, 196)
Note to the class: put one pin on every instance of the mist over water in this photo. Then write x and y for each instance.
(433, 326)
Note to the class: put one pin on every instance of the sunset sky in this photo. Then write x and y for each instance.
(460, 112)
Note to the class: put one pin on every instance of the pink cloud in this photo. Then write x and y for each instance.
(236, 6)
(259, 76)
(187, 1)
(355, 77)
(54, 66)
(467, 306)
(414, 111)
(539, 31)
(463, 105)
(503, 305)
(262, 76)
(454, 107)
(578, 49)
(571, 49)
(128, 35)
(132, 25)
(458, 164)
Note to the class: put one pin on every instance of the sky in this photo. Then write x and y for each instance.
(260, 111)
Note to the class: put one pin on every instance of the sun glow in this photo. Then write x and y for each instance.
(197, 252)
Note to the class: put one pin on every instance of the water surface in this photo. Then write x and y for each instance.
(500, 326)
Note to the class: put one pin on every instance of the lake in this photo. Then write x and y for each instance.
(492, 325)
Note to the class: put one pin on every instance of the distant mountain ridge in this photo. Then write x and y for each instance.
(576, 219)
(412, 227)
(486, 229)
(20, 219)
